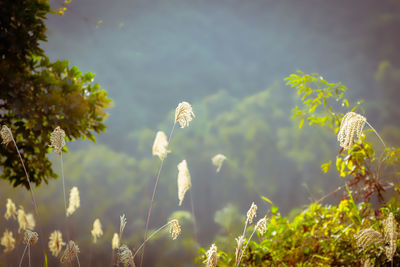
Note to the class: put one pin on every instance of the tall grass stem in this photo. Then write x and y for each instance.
(152, 199)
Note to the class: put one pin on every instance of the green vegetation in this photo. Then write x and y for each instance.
(37, 95)
(329, 235)
(292, 162)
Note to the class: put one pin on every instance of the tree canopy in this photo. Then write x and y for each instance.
(38, 95)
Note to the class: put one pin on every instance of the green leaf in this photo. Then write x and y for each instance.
(353, 205)
(267, 200)
(274, 209)
(326, 166)
(301, 123)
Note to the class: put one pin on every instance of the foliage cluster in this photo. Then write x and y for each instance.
(327, 235)
(37, 95)
(318, 236)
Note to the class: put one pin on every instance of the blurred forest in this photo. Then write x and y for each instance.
(228, 58)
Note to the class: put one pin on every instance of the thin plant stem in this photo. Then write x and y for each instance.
(245, 227)
(148, 238)
(382, 156)
(63, 182)
(244, 249)
(23, 254)
(380, 138)
(332, 192)
(29, 255)
(27, 176)
(152, 198)
(194, 216)
(77, 259)
(30, 186)
(65, 201)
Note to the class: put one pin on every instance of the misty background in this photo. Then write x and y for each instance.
(228, 58)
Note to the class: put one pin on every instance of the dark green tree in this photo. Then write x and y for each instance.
(37, 95)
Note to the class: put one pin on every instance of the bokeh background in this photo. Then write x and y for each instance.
(228, 58)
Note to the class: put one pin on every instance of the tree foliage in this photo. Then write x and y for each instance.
(38, 95)
(326, 235)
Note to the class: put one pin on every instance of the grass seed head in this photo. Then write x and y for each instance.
(251, 213)
(184, 182)
(160, 145)
(30, 237)
(96, 231)
(11, 210)
(351, 127)
(6, 135)
(184, 114)
(175, 229)
(212, 256)
(57, 139)
(56, 243)
(74, 201)
(8, 241)
(218, 160)
(125, 256)
(70, 253)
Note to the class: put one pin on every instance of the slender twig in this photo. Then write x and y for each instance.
(23, 254)
(29, 255)
(152, 198)
(153, 234)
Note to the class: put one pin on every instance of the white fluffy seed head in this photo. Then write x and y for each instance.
(96, 231)
(8, 241)
(160, 145)
(351, 127)
(251, 213)
(240, 242)
(212, 256)
(30, 237)
(390, 234)
(261, 226)
(70, 253)
(74, 201)
(367, 237)
(218, 160)
(25, 221)
(175, 228)
(11, 210)
(184, 114)
(184, 182)
(125, 256)
(122, 225)
(56, 243)
(6, 135)
(115, 241)
(57, 139)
